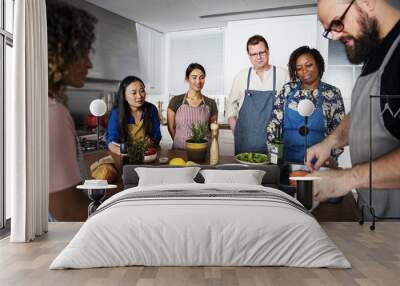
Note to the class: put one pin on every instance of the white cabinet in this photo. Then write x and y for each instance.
(151, 58)
(156, 63)
(226, 142)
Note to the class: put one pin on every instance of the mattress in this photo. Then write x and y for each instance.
(201, 225)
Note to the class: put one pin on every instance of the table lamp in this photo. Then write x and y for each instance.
(305, 108)
(97, 108)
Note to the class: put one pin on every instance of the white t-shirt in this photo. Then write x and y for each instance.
(236, 96)
(63, 163)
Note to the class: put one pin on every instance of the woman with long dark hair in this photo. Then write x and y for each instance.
(190, 108)
(132, 117)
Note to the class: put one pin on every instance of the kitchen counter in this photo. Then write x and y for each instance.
(222, 125)
(344, 211)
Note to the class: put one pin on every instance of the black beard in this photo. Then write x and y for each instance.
(366, 43)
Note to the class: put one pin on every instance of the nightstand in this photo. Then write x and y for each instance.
(96, 195)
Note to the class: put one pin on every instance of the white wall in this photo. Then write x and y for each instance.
(205, 47)
(283, 34)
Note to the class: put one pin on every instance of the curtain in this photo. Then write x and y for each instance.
(27, 124)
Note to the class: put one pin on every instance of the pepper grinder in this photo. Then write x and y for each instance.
(214, 150)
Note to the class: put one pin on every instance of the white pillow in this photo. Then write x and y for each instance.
(249, 177)
(166, 176)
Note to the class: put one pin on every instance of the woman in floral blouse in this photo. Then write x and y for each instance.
(306, 67)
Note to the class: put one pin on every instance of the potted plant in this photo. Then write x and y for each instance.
(136, 150)
(196, 145)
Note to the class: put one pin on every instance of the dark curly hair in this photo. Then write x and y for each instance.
(319, 60)
(124, 111)
(70, 35)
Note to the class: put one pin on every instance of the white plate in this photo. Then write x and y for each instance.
(150, 158)
(250, 163)
(90, 187)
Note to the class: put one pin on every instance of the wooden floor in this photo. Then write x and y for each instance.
(375, 257)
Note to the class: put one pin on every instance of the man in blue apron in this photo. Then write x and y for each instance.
(249, 105)
(370, 31)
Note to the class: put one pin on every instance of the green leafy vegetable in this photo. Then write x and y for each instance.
(253, 157)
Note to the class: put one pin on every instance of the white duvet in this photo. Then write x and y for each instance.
(207, 230)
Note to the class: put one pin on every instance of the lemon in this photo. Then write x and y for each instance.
(191, 164)
(177, 162)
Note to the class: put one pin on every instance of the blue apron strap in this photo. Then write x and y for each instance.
(248, 79)
(286, 105)
(292, 93)
(274, 79)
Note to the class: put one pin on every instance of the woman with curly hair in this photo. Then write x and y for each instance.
(132, 117)
(306, 67)
(70, 33)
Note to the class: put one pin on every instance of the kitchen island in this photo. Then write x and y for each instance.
(343, 211)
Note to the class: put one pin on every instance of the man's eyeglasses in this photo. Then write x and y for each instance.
(259, 54)
(337, 24)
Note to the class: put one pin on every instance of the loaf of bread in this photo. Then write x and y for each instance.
(108, 159)
(105, 171)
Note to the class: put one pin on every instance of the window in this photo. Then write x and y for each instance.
(9, 16)
(6, 43)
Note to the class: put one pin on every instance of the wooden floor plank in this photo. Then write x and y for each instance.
(375, 257)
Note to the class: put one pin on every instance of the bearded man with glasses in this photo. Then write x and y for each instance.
(370, 31)
(249, 104)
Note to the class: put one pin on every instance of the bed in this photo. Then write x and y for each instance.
(200, 224)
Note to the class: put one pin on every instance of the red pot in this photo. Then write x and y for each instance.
(91, 121)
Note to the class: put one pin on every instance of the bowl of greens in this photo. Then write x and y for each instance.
(252, 158)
